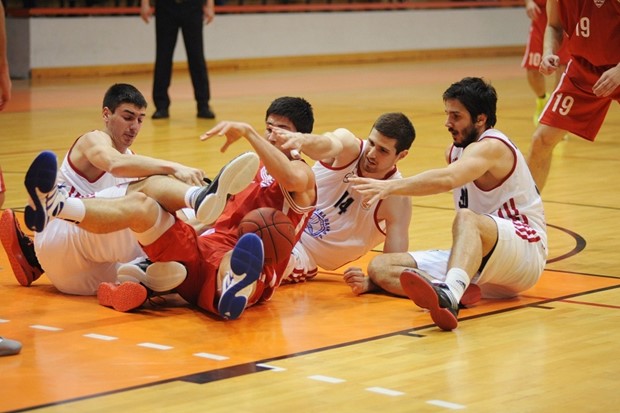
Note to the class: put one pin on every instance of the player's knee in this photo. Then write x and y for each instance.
(378, 267)
(463, 216)
(141, 205)
(546, 138)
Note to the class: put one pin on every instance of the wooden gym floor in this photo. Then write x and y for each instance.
(315, 347)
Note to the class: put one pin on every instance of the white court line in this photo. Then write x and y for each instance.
(155, 346)
(100, 337)
(445, 404)
(385, 391)
(2, 320)
(211, 356)
(270, 367)
(47, 328)
(326, 379)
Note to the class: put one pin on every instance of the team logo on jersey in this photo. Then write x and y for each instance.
(599, 3)
(353, 175)
(265, 178)
(318, 224)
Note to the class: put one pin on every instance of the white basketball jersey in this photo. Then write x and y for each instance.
(516, 199)
(340, 230)
(79, 186)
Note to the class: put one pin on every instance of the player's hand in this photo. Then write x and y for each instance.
(608, 82)
(293, 141)
(532, 10)
(190, 176)
(549, 64)
(372, 190)
(357, 280)
(208, 13)
(146, 12)
(233, 131)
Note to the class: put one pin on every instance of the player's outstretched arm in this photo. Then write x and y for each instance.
(340, 146)
(95, 148)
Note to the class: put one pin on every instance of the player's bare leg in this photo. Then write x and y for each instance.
(544, 140)
(384, 270)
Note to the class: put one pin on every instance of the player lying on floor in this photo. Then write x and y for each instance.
(98, 159)
(225, 273)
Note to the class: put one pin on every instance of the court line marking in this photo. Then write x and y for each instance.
(100, 337)
(155, 346)
(270, 367)
(384, 391)
(46, 328)
(447, 405)
(326, 379)
(211, 356)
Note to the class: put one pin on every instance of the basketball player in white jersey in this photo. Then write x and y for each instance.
(76, 262)
(342, 228)
(499, 231)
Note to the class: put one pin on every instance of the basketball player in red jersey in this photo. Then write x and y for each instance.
(532, 57)
(590, 82)
(225, 273)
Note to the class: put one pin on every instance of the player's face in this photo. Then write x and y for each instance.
(124, 124)
(459, 124)
(379, 155)
(277, 121)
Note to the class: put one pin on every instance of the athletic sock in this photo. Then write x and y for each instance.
(457, 281)
(73, 210)
(190, 196)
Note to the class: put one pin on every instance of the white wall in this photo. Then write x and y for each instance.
(46, 42)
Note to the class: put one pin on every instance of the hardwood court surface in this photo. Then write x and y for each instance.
(315, 347)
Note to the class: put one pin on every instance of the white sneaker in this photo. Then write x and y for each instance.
(156, 276)
(233, 178)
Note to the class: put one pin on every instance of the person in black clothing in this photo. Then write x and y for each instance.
(187, 15)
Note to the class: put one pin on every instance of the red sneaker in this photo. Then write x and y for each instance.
(122, 297)
(433, 296)
(19, 250)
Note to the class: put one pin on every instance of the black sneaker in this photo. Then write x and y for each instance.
(233, 178)
(436, 297)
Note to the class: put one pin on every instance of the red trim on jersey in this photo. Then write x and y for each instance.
(334, 168)
(78, 171)
(514, 164)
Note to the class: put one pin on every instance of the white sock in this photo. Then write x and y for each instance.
(74, 210)
(457, 281)
(190, 196)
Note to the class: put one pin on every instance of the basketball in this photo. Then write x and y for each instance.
(274, 228)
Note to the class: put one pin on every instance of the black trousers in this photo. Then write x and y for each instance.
(170, 16)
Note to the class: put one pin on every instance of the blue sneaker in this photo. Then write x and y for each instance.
(45, 199)
(246, 265)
